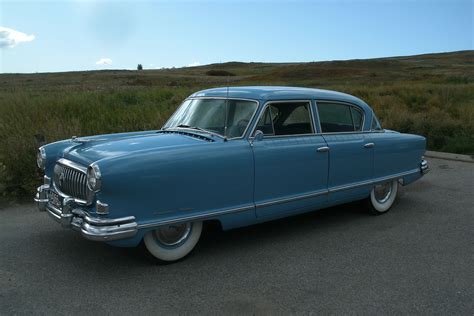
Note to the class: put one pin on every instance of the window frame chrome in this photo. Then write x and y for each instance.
(381, 130)
(222, 98)
(268, 103)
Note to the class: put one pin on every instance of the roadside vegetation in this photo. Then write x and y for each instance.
(431, 95)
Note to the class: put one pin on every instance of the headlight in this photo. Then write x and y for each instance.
(94, 181)
(41, 158)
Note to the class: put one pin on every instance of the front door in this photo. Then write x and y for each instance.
(290, 172)
(350, 151)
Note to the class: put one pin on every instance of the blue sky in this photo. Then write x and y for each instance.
(43, 36)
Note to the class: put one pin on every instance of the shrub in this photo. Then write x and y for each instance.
(223, 73)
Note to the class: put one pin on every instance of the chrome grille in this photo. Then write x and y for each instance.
(70, 181)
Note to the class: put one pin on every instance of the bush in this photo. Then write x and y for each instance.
(223, 73)
(62, 114)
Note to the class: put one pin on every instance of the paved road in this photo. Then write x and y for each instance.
(416, 259)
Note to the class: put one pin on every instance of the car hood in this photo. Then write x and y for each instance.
(88, 150)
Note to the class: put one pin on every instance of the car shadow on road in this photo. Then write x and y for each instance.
(214, 242)
(281, 230)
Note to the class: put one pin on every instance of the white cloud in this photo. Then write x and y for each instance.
(195, 64)
(104, 61)
(10, 38)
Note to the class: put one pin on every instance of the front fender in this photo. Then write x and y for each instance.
(183, 181)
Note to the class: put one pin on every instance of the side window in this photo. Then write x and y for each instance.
(357, 118)
(375, 124)
(335, 117)
(265, 123)
(286, 118)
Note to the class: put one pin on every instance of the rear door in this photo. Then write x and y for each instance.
(351, 153)
(290, 173)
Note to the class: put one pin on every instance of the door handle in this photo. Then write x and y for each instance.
(369, 145)
(323, 149)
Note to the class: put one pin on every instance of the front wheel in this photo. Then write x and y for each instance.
(173, 242)
(382, 197)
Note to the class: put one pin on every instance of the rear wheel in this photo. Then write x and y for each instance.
(382, 197)
(173, 242)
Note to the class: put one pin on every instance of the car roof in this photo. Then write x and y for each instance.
(270, 93)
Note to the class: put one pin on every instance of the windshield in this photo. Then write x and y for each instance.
(226, 117)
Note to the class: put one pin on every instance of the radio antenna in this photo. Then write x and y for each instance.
(226, 108)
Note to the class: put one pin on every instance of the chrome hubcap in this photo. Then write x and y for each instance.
(172, 235)
(382, 192)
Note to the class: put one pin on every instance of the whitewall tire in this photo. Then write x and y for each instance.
(173, 242)
(382, 197)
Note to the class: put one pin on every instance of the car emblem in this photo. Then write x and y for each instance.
(62, 177)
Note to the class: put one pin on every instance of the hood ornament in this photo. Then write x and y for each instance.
(76, 139)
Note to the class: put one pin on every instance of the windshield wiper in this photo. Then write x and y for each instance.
(192, 127)
(200, 129)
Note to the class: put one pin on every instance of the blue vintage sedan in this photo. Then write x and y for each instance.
(239, 156)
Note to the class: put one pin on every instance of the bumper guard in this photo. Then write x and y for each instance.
(425, 168)
(91, 227)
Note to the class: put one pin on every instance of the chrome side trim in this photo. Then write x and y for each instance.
(372, 182)
(293, 198)
(396, 176)
(195, 217)
(337, 188)
(350, 186)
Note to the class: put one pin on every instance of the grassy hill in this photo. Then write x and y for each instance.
(431, 94)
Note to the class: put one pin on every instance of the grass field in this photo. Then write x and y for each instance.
(431, 95)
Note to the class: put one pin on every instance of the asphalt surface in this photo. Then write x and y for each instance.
(416, 259)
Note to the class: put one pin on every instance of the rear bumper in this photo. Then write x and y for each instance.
(424, 167)
(91, 227)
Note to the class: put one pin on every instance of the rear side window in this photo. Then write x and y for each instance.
(337, 117)
(286, 118)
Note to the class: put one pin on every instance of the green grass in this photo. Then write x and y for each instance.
(431, 95)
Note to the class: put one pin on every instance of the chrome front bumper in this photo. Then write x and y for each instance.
(91, 227)
(424, 166)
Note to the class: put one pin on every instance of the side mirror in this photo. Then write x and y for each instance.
(258, 136)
